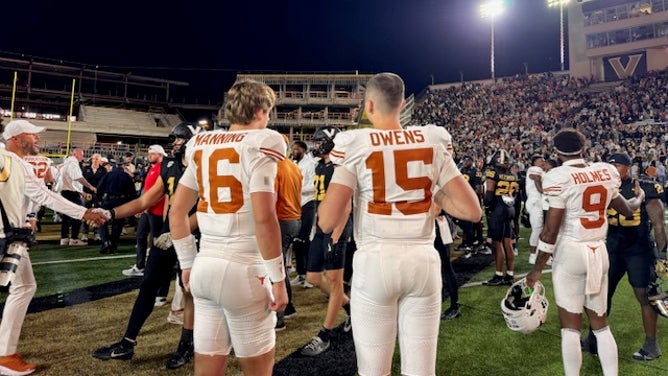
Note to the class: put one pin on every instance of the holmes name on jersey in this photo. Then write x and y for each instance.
(397, 137)
(596, 176)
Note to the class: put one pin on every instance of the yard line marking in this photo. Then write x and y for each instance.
(83, 259)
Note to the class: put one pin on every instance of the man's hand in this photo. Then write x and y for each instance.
(163, 241)
(96, 217)
(280, 295)
(533, 277)
(639, 191)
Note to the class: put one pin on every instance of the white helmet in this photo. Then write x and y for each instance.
(524, 309)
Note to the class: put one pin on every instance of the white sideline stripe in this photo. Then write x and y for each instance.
(519, 276)
(82, 260)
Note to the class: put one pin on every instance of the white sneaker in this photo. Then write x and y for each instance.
(76, 242)
(65, 241)
(84, 238)
(134, 271)
(532, 258)
(298, 281)
(123, 232)
(175, 317)
(160, 301)
(97, 237)
(307, 285)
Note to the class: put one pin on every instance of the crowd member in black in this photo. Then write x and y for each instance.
(473, 176)
(160, 265)
(631, 250)
(502, 189)
(93, 173)
(114, 189)
(442, 244)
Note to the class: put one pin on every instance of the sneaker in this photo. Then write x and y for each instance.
(280, 325)
(134, 271)
(124, 232)
(532, 258)
(467, 254)
(298, 281)
(15, 365)
(65, 241)
(290, 311)
(508, 279)
(347, 325)
(160, 301)
(644, 355)
(119, 350)
(315, 347)
(97, 237)
(76, 242)
(84, 238)
(497, 280)
(485, 249)
(307, 285)
(183, 355)
(452, 313)
(175, 317)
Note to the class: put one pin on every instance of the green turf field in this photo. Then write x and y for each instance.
(477, 343)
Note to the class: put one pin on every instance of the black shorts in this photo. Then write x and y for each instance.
(322, 256)
(636, 259)
(499, 222)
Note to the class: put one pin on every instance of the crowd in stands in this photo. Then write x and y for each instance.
(522, 113)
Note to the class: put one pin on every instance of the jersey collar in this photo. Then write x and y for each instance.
(573, 162)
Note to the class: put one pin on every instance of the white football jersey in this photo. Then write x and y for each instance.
(530, 185)
(40, 164)
(397, 172)
(585, 194)
(225, 168)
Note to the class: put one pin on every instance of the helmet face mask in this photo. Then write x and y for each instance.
(182, 132)
(323, 140)
(524, 309)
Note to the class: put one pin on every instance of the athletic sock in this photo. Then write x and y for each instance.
(607, 351)
(570, 351)
(325, 334)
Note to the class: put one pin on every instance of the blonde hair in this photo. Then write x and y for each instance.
(245, 98)
(387, 89)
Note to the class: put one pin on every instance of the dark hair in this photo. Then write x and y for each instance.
(569, 141)
(301, 144)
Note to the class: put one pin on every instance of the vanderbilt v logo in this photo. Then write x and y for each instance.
(625, 71)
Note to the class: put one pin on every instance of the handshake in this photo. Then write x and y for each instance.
(97, 217)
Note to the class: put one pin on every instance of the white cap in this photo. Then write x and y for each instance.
(104, 160)
(17, 127)
(157, 149)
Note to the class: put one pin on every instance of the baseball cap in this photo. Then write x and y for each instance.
(157, 149)
(620, 158)
(104, 160)
(16, 127)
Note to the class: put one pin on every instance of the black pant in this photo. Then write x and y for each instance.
(302, 243)
(159, 270)
(110, 240)
(69, 222)
(148, 224)
(447, 272)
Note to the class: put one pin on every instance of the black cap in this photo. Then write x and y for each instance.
(620, 158)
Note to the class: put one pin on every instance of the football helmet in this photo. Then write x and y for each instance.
(524, 309)
(658, 299)
(500, 158)
(183, 131)
(324, 140)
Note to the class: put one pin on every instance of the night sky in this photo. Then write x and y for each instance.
(207, 42)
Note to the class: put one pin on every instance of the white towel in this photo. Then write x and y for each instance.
(444, 229)
(594, 269)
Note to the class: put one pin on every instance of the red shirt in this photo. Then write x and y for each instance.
(151, 177)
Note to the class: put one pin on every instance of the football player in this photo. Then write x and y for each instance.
(238, 277)
(534, 192)
(160, 263)
(327, 252)
(576, 224)
(631, 250)
(501, 192)
(394, 174)
(472, 175)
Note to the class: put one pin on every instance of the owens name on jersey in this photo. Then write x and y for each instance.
(397, 172)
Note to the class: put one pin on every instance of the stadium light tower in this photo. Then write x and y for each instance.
(492, 9)
(560, 4)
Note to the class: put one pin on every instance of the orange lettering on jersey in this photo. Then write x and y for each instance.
(584, 177)
(593, 249)
(261, 278)
(397, 137)
(218, 138)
